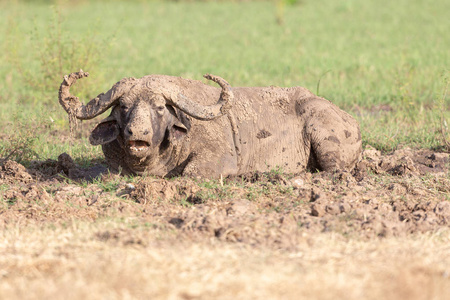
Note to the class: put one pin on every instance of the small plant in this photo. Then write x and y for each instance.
(277, 170)
(19, 145)
(211, 190)
(109, 186)
(58, 52)
(185, 202)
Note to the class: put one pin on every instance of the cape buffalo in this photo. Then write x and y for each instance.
(167, 126)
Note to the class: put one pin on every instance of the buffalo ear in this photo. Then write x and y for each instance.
(178, 131)
(106, 131)
(181, 124)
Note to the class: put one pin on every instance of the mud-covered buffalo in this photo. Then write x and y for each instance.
(165, 126)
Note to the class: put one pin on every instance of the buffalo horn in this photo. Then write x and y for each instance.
(206, 112)
(95, 107)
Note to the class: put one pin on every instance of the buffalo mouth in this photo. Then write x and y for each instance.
(138, 146)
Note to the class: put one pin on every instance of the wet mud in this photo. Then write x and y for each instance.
(396, 194)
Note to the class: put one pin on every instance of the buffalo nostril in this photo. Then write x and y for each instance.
(128, 131)
(145, 132)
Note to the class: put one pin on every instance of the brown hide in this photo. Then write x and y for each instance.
(289, 128)
(266, 128)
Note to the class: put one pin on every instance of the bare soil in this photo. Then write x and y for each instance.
(396, 196)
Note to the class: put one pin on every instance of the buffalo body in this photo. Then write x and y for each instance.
(155, 128)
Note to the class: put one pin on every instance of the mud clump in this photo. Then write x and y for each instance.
(397, 194)
(402, 162)
(65, 167)
(12, 171)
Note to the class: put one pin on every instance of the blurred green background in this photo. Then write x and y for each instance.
(385, 62)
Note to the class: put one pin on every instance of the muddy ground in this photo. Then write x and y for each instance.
(380, 232)
(397, 194)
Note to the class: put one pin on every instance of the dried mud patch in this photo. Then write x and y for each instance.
(397, 194)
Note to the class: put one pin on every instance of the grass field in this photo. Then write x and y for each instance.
(387, 63)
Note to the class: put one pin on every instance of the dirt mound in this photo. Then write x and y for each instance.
(387, 195)
(396, 194)
(64, 167)
(401, 162)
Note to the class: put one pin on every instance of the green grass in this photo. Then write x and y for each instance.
(365, 54)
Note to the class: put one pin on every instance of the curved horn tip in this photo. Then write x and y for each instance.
(73, 77)
(82, 74)
(212, 77)
(79, 74)
(217, 79)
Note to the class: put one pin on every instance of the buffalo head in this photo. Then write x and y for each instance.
(147, 115)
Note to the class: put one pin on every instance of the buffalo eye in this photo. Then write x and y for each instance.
(124, 107)
(160, 110)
